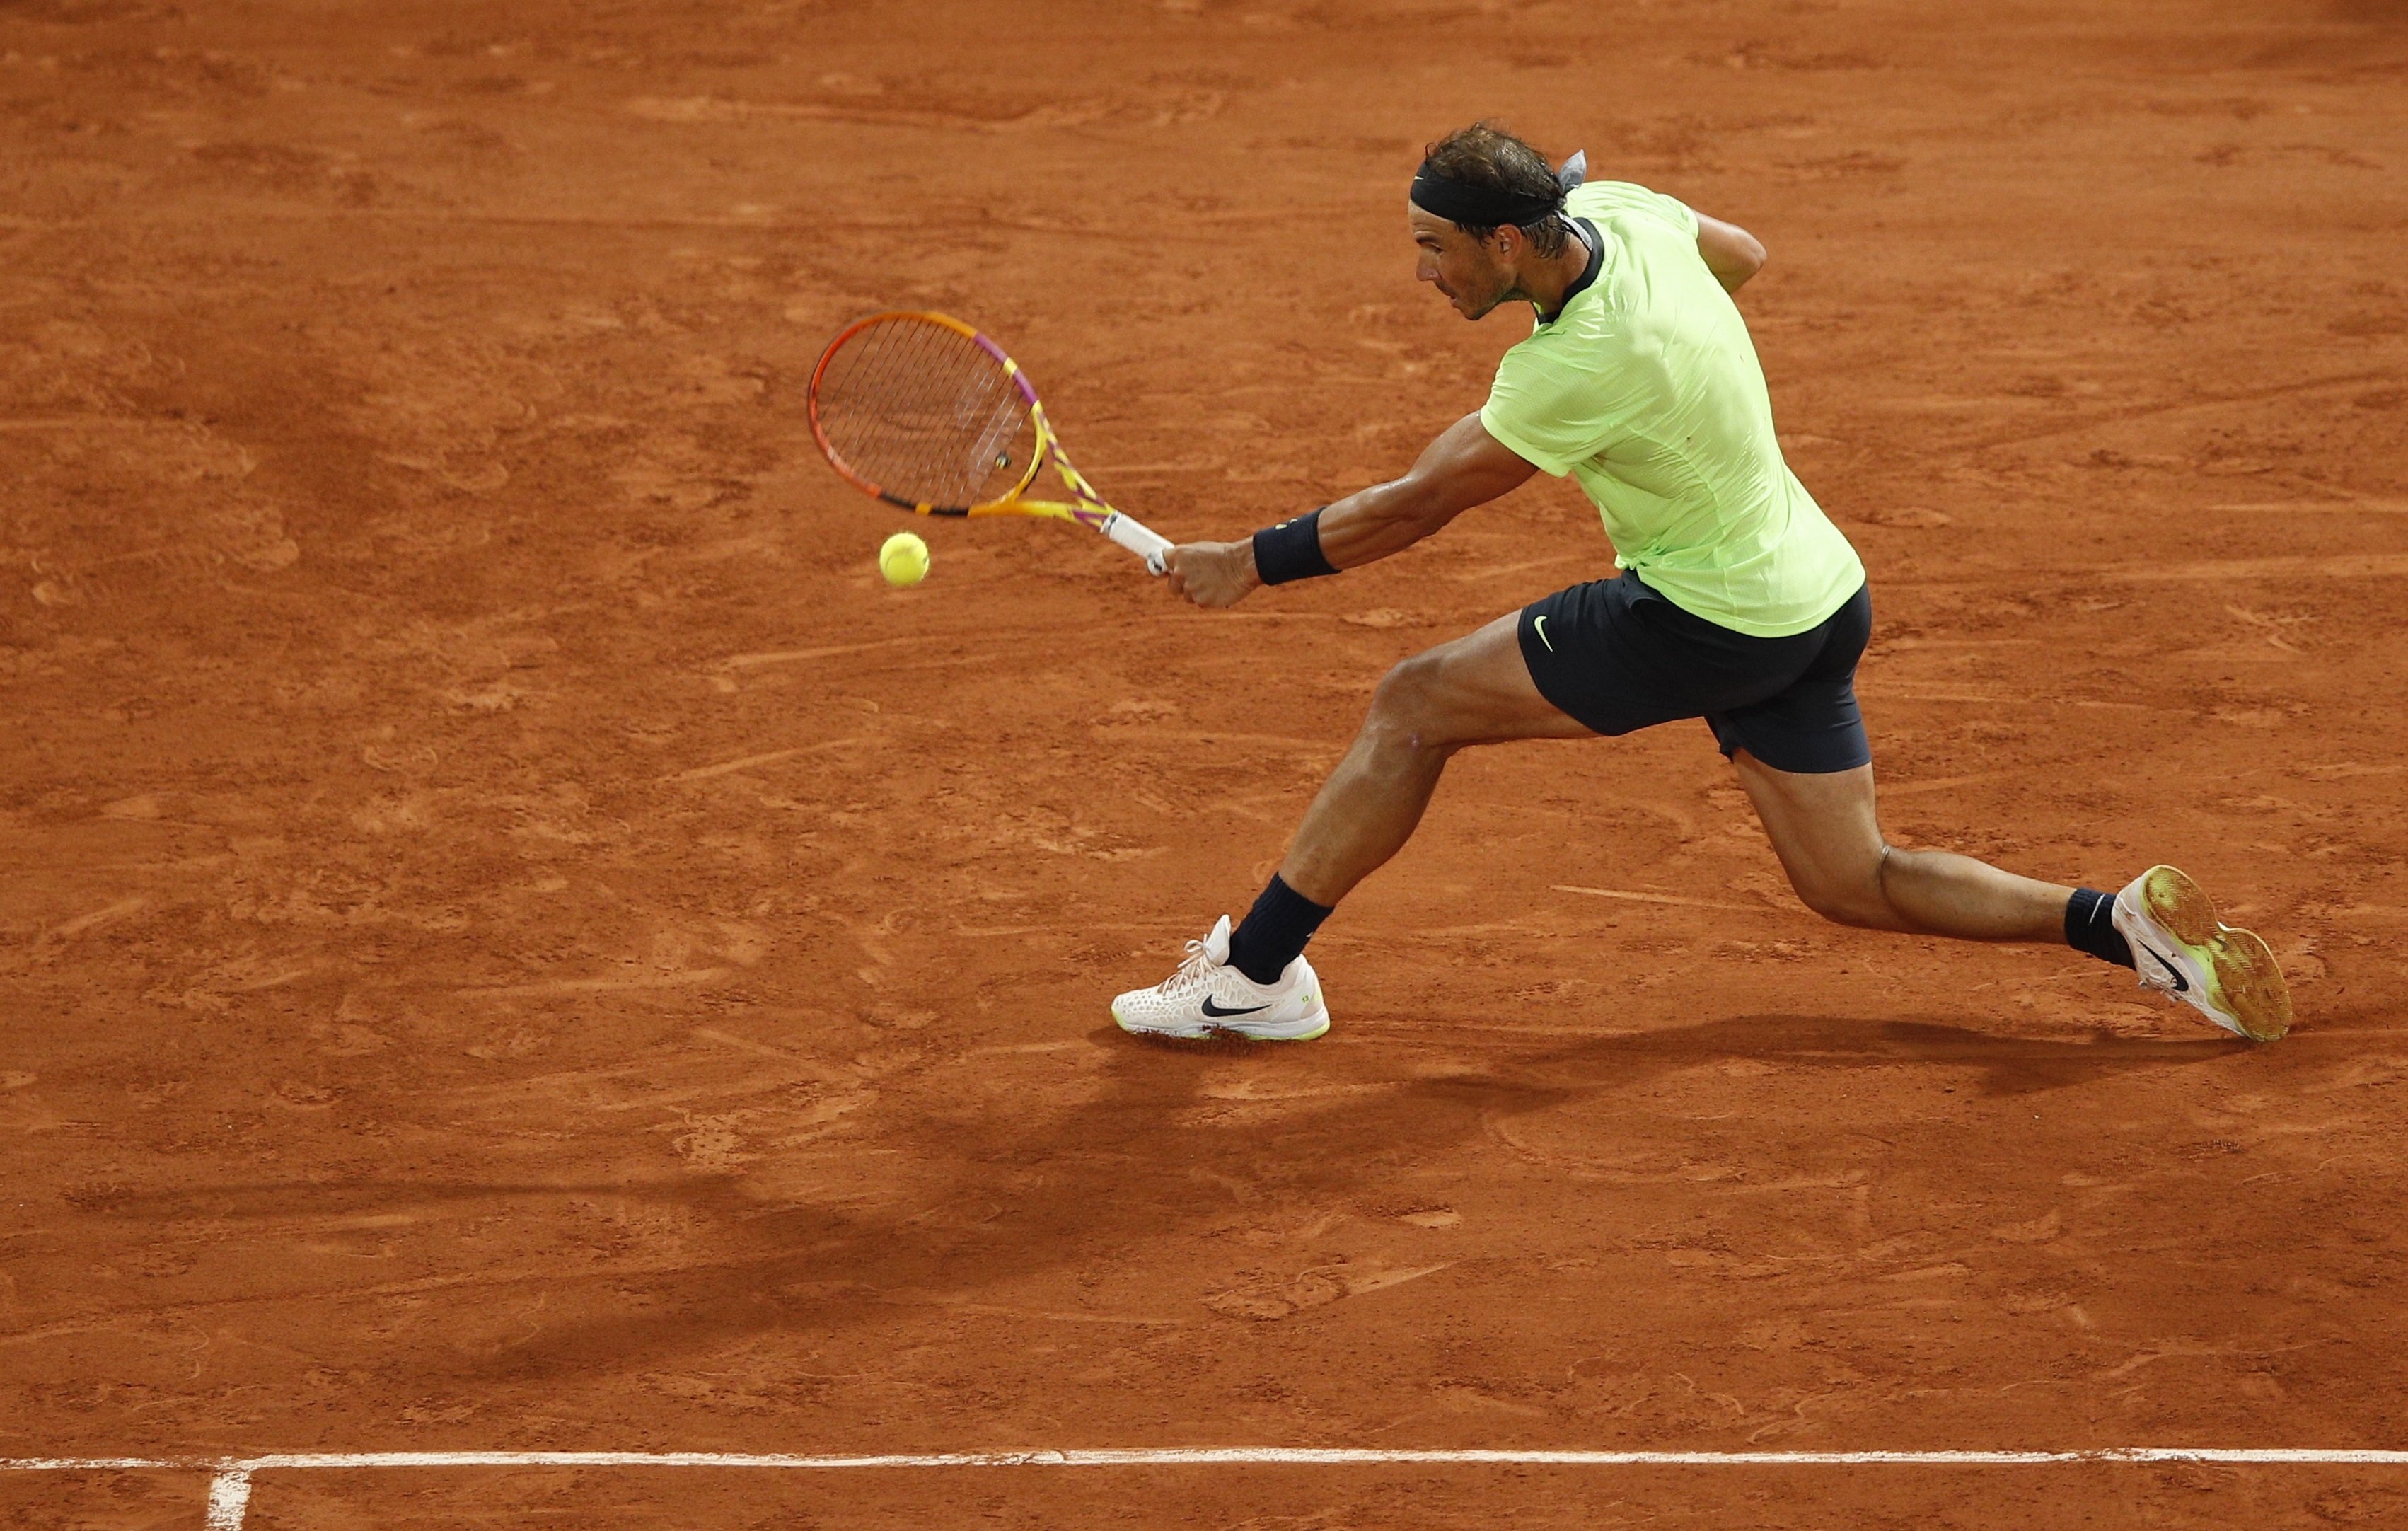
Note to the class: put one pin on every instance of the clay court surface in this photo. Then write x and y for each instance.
(512, 938)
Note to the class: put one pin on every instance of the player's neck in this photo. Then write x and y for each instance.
(1552, 275)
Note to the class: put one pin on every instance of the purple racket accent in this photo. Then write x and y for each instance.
(1019, 376)
(1091, 510)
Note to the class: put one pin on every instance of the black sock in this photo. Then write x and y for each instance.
(1274, 931)
(2090, 926)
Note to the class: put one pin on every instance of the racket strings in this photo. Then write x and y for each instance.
(927, 414)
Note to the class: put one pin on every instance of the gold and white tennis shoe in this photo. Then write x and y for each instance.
(2181, 948)
(1208, 995)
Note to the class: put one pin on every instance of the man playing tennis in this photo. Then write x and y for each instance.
(1739, 602)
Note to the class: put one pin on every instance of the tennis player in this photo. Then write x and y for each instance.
(1738, 602)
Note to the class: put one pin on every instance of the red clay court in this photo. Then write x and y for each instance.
(513, 940)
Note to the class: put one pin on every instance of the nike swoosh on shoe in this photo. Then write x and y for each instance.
(2182, 984)
(1216, 1012)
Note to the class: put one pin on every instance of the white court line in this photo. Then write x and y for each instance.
(1183, 1457)
(229, 1497)
(231, 1477)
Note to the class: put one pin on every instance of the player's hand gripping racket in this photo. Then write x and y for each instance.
(925, 413)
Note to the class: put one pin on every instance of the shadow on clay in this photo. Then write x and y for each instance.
(1177, 1137)
(2006, 1065)
(1157, 1153)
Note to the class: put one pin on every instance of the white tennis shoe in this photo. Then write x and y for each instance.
(2181, 950)
(1207, 994)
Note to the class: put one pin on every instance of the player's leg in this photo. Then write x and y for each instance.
(1254, 980)
(1823, 828)
(1802, 755)
(1476, 690)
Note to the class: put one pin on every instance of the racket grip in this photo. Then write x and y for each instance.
(1148, 545)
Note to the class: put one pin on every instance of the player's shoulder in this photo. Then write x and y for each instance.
(1605, 201)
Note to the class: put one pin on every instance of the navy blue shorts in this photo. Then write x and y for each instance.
(1617, 657)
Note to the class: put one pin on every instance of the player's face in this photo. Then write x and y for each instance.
(1465, 269)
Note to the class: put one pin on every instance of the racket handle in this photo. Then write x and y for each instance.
(1148, 545)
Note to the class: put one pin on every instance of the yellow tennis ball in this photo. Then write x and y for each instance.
(903, 558)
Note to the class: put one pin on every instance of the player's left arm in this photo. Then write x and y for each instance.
(1731, 254)
(1465, 467)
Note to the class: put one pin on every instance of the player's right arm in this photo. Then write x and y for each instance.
(1465, 467)
(1731, 254)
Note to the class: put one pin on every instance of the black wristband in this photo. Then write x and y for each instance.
(1292, 550)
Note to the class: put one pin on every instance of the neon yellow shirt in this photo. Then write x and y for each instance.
(1646, 389)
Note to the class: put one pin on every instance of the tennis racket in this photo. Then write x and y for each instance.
(923, 412)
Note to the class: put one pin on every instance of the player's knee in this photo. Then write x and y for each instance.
(1843, 900)
(1408, 707)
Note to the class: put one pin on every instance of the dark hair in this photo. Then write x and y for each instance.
(1487, 157)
